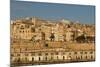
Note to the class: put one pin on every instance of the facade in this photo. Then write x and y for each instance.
(37, 41)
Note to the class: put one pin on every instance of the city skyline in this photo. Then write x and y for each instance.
(50, 11)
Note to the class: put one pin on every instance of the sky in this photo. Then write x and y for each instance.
(53, 11)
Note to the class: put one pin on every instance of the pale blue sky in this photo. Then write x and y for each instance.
(51, 11)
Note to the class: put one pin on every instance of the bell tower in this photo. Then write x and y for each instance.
(34, 21)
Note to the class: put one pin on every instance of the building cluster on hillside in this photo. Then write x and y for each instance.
(38, 41)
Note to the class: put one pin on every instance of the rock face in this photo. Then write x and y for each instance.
(39, 41)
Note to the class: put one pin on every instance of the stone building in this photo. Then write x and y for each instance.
(37, 41)
(28, 28)
(27, 53)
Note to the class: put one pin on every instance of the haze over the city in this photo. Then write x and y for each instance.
(83, 14)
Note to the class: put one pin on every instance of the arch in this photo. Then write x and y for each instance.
(57, 57)
(18, 60)
(91, 57)
(46, 58)
(32, 58)
(39, 59)
(69, 58)
(63, 57)
(51, 57)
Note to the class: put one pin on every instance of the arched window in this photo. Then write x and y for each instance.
(91, 57)
(26, 54)
(46, 58)
(25, 59)
(70, 53)
(57, 53)
(33, 54)
(12, 55)
(81, 52)
(52, 53)
(39, 59)
(85, 52)
(57, 58)
(51, 58)
(18, 54)
(39, 54)
(75, 52)
(22, 27)
(69, 58)
(85, 57)
(91, 52)
(18, 60)
(63, 57)
(46, 53)
(32, 58)
(81, 57)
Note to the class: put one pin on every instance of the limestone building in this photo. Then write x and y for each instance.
(38, 41)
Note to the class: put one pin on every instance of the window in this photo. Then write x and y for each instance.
(39, 58)
(81, 57)
(63, 53)
(26, 59)
(57, 58)
(56, 53)
(12, 54)
(17, 27)
(51, 58)
(39, 54)
(18, 60)
(32, 58)
(22, 27)
(91, 57)
(20, 31)
(68, 26)
(63, 57)
(91, 52)
(70, 58)
(43, 36)
(85, 52)
(69, 53)
(18, 54)
(40, 29)
(26, 54)
(77, 57)
(86, 57)
(52, 53)
(75, 52)
(27, 26)
(45, 58)
(33, 54)
(81, 52)
(46, 53)
(46, 45)
(25, 49)
(32, 29)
